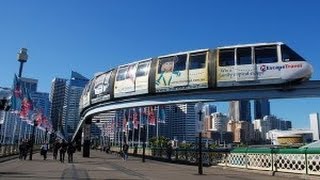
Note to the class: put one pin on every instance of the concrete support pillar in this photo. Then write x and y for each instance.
(86, 137)
(78, 140)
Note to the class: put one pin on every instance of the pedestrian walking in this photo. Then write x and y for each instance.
(70, 150)
(56, 147)
(169, 150)
(125, 149)
(63, 150)
(23, 150)
(44, 150)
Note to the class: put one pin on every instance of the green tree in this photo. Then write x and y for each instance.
(159, 142)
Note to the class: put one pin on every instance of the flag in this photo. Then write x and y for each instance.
(124, 121)
(142, 117)
(41, 119)
(16, 98)
(45, 121)
(26, 105)
(130, 125)
(162, 114)
(112, 129)
(130, 120)
(151, 116)
(135, 119)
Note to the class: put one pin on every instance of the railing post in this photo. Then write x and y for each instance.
(306, 159)
(226, 159)
(177, 154)
(272, 162)
(246, 158)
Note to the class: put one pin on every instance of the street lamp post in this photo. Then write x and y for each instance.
(46, 136)
(198, 108)
(32, 138)
(144, 144)
(22, 58)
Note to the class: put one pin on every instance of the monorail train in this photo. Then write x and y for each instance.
(228, 66)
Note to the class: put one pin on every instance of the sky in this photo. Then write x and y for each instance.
(97, 35)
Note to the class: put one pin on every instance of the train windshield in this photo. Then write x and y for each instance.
(289, 55)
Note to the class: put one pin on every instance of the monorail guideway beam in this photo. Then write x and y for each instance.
(310, 89)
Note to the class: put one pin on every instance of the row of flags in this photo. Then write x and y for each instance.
(133, 118)
(24, 107)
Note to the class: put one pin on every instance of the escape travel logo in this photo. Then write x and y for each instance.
(264, 68)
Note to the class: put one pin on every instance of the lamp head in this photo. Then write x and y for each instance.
(198, 107)
(23, 55)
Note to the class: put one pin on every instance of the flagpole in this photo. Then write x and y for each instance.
(127, 132)
(5, 128)
(133, 135)
(147, 131)
(139, 131)
(122, 134)
(131, 125)
(23, 129)
(157, 122)
(14, 129)
(114, 130)
(19, 132)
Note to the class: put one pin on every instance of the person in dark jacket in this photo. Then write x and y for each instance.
(70, 150)
(56, 147)
(44, 150)
(62, 151)
(23, 150)
(125, 149)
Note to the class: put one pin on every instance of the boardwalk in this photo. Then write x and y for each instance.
(108, 166)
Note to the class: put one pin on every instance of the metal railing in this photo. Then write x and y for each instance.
(179, 155)
(301, 161)
(13, 149)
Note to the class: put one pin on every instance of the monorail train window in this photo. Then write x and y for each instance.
(226, 57)
(244, 56)
(197, 60)
(289, 55)
(142, 69)
(173, 63)
(266, 54)
(180, 63)
(122, 74)
(131, 71)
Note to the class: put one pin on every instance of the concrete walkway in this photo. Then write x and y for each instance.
(109, 166)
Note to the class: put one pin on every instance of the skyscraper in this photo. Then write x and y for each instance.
(71, 112)
(261, 108)
(209, 109)
(29, 83)
(315, 125)
(240, 110)
(218, 122)
(41, 102)
(181, 122)
(57, 99)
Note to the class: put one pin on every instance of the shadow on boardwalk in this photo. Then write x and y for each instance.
(109, 166)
